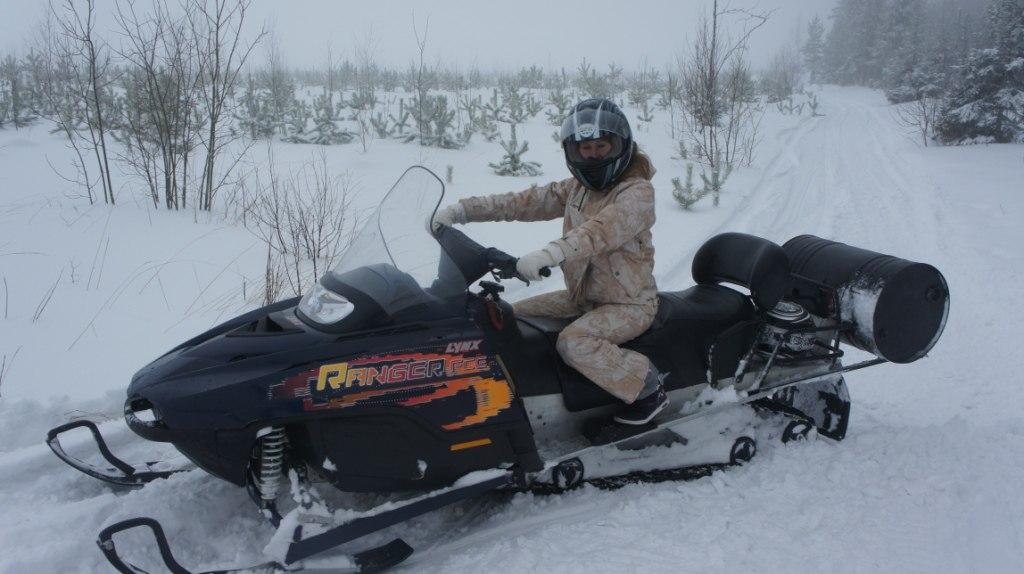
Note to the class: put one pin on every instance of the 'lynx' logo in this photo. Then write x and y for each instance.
(462, 346)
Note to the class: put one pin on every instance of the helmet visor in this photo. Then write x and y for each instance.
(594, 150)
(594, 123)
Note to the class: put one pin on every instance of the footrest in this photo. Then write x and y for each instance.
(603, 430)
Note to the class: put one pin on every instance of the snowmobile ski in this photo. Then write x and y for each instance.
(119, 472)
(372, 560)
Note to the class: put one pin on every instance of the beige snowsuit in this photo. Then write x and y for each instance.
(608, 268)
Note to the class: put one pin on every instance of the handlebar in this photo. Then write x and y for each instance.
(503, 265)
(475, 260)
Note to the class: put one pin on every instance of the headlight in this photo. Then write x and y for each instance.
(325, 307)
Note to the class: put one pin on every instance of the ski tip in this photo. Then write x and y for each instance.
(383, 557)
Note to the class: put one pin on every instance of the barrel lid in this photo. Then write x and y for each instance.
(911, 313)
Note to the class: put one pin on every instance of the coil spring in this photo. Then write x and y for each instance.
(272, 447)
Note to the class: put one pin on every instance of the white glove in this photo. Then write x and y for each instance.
(448, 216)
(529, 265)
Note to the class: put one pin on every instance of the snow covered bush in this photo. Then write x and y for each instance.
(559, 98)
(326, 130)
(363, 102)
(435, 121)
(296, 119)
(592, 84)
(988, 103)
(14, 103)
(814, 50)
(643, 86)
(782, 78)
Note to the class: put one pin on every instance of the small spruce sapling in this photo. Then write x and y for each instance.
(401, 123)
(512, 163)
(295, 121)
(561, 98)
(325, 126)
(686, 195)
(714, 183)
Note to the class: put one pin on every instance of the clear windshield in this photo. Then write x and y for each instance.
(395, 245)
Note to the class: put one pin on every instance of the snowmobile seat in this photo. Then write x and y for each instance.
(687, 324)
(703, 331)
(706, 310)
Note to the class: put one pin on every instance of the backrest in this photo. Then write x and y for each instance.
(753, 262)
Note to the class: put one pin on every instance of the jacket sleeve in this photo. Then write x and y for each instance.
(534, 204)
(630, 214)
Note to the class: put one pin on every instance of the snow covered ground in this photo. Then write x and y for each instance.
(927, 480)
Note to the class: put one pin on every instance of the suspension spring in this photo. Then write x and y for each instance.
(272, 445)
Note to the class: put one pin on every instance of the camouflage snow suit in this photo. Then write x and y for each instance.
(608, 268)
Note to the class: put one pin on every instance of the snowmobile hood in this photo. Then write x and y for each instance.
(210, 380)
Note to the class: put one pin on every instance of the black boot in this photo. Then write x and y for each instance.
(642, 410)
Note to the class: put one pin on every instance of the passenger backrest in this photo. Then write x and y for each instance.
(752, 262)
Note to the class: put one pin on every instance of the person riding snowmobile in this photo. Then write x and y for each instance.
(605, 253)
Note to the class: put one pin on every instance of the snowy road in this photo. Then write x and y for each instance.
(927, 480)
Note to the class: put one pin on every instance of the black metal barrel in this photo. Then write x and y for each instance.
(899, 307)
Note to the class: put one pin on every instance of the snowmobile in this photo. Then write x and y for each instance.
(394, 374)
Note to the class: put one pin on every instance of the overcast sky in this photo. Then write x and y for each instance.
(490, 35)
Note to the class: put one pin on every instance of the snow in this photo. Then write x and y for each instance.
(926, 481)
(857, 303)
(710, 397)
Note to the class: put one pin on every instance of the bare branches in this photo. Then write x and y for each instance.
(304, 218)
(6, 364)
(47, 297)
(751, 21)
(75, 72)
(919, 115)
(162, 88)
(721, 119)
(216, 28)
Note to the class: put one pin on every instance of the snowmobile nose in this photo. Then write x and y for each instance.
(154, 430)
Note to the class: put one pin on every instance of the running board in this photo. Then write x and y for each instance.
(554, 468)
(372, 560)
(119, 472)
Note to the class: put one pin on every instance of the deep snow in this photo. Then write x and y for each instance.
(927, 479)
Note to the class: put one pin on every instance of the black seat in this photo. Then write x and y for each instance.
(703, 311)
(687, 324)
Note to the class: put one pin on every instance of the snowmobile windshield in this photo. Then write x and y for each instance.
(393, 258)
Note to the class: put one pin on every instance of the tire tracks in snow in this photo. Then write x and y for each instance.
(752, 204)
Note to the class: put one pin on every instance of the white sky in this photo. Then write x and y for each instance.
(491, 35)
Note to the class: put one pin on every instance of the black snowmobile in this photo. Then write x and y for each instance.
(394, 375)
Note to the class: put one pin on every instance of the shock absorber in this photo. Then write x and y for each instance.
(271, 464)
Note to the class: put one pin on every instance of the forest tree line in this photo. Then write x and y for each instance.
(956, 67)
